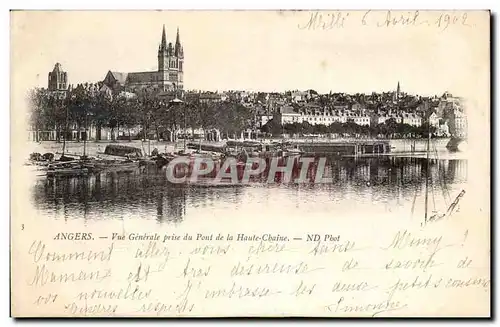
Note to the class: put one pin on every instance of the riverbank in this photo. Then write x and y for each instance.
(92, 148)
(397, 145)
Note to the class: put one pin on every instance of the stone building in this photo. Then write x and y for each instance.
(169, 76)
(58, 79)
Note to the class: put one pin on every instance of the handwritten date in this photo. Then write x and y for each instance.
(413, 18)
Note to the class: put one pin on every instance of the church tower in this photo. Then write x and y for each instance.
(397, 94)
(179, 54)
(170, 63)
(58, 79)
(162, 52)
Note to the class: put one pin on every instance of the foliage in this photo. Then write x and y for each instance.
(91, 105)
(86, 105)
(389, 129)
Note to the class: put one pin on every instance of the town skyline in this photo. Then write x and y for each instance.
(232, 60)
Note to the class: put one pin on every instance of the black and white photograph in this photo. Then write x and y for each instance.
(286, 163)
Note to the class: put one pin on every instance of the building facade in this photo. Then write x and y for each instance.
(58, 79)
(169, 77)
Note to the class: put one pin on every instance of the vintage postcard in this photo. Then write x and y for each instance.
(250, 163)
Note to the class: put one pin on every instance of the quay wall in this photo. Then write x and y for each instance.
(92, 148)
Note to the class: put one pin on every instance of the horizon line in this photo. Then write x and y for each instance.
(282, 91)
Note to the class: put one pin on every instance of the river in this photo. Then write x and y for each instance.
(386, 185)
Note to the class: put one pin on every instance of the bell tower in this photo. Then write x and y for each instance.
(58, 79)
(179, 56)
(162, 52)
(170, 63)
(163, 60)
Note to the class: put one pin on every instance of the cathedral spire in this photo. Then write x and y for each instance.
(177, 43)
(163, 38)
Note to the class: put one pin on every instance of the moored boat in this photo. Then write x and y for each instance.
(67, 169)
(111, 165)
(123, 151)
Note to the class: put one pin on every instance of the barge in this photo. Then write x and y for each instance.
(346, 148)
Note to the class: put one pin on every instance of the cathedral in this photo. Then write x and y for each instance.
(169, 76)
(58, 79)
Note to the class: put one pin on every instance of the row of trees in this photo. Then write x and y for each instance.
(388, 129)
(85, 105)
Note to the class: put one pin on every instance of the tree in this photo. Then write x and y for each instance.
(38, 103)
(351, 127)
(55, 113)
(130, 114)
(174, 117)
(102, 112)
(293, 128)
(306, 127)
(272, 127)
(424, 130)
(232, 118)
(404, 130)
(77, 105)
(148, 105)
(381, 129)
(193, 118)
(320, 129)
(207, 113)
(391, 126)
(336, 128)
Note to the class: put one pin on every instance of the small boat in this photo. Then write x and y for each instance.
(295, 151)
(111, 165)
(206, 155)
(207, 147)
(42, 164)
(123, 151)
(67, 169)
(70, 172)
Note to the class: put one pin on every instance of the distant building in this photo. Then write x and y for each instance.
(58, 79)
(412, 119)
(209, 97)
(340, 107)
(447, 104)
(397, 95)
(264, 119)
(434, 120)
(316, 115)
(287, 115)
(205, 97)
(298, 96)
(457, 122)
(381, 119)
(443, 129)
(452, 110)
(127, 95)
(361, 120)
(356, 107)
(169, 76)
(106, 91)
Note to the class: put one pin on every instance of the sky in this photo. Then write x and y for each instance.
(427, 52)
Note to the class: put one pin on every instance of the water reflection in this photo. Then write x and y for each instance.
(368, 181)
